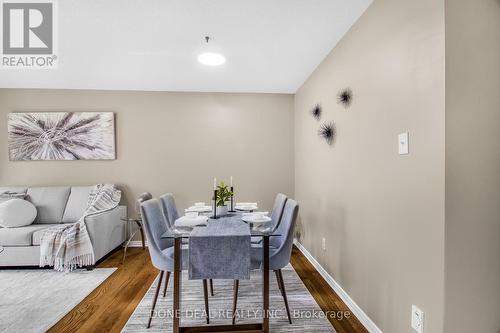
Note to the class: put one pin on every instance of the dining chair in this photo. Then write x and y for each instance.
(276, 214)
(161, 250)
(278, 207)
(169, 208)
(145, 196)
(170, 211)
(279, 253)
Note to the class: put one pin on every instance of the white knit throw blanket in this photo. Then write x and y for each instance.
(68, 246)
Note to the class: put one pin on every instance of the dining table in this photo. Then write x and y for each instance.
(180, 234)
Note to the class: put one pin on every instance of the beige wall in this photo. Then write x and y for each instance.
(472, 302)
(382, 214)
(169, 142)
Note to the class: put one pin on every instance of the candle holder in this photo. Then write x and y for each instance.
(232, 201)
(214, 216)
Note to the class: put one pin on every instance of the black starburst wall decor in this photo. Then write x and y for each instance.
(316, 112)
(344, 97)
(327, 132)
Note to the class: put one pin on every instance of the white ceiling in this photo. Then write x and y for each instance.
(270, 45)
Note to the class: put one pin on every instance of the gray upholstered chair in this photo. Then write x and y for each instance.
(279, 253)
(169, 208)
(278, 207)
(276, 214)
(161, 250)
(170, 211)
(145, 196)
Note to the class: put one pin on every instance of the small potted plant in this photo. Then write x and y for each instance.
(223, 196)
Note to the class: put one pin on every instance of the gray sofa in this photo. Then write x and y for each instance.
(56, 205)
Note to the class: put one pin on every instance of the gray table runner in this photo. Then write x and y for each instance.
(221, 250)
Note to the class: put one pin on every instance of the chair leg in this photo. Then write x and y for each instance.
(211, 287)
(205, 295)
(155, 299)
(235, 298)
(167, 277)
(278, 281)
(143, 239)
(283, 292)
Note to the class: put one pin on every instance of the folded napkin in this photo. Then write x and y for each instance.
(186, 221)
(220, 251)
(198, 209)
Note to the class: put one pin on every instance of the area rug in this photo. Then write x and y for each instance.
(306, 314)
(32, 301)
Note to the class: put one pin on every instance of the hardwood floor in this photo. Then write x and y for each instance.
(108, 307)
(324, 295)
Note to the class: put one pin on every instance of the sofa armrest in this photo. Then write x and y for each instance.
(106, 230)
(106, 212)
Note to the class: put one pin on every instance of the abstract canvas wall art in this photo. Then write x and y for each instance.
(61, 136)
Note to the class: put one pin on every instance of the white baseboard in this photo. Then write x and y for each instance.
(136, 244)
(356, 310)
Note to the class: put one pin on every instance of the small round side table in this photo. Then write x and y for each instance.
(139, 225)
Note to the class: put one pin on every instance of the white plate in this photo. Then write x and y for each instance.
(251, 219)
(246, 208)
(254, 213)
(199, 209)
(246, 204)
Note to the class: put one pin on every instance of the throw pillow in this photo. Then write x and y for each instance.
(5, 196)
(17, 213)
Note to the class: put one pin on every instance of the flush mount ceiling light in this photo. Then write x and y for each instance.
(211, 58)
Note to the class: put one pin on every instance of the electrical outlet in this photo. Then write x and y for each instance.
(417, 319)
(323, 244)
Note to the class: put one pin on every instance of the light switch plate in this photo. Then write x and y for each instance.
(417, 319)
(403, 144)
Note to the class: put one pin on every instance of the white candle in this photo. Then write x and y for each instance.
(215, 183)
(231, 181)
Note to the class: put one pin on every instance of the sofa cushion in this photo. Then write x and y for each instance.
(50, 202)
(37, 235)
(16, 213)
(22, 236)
(77, 203)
